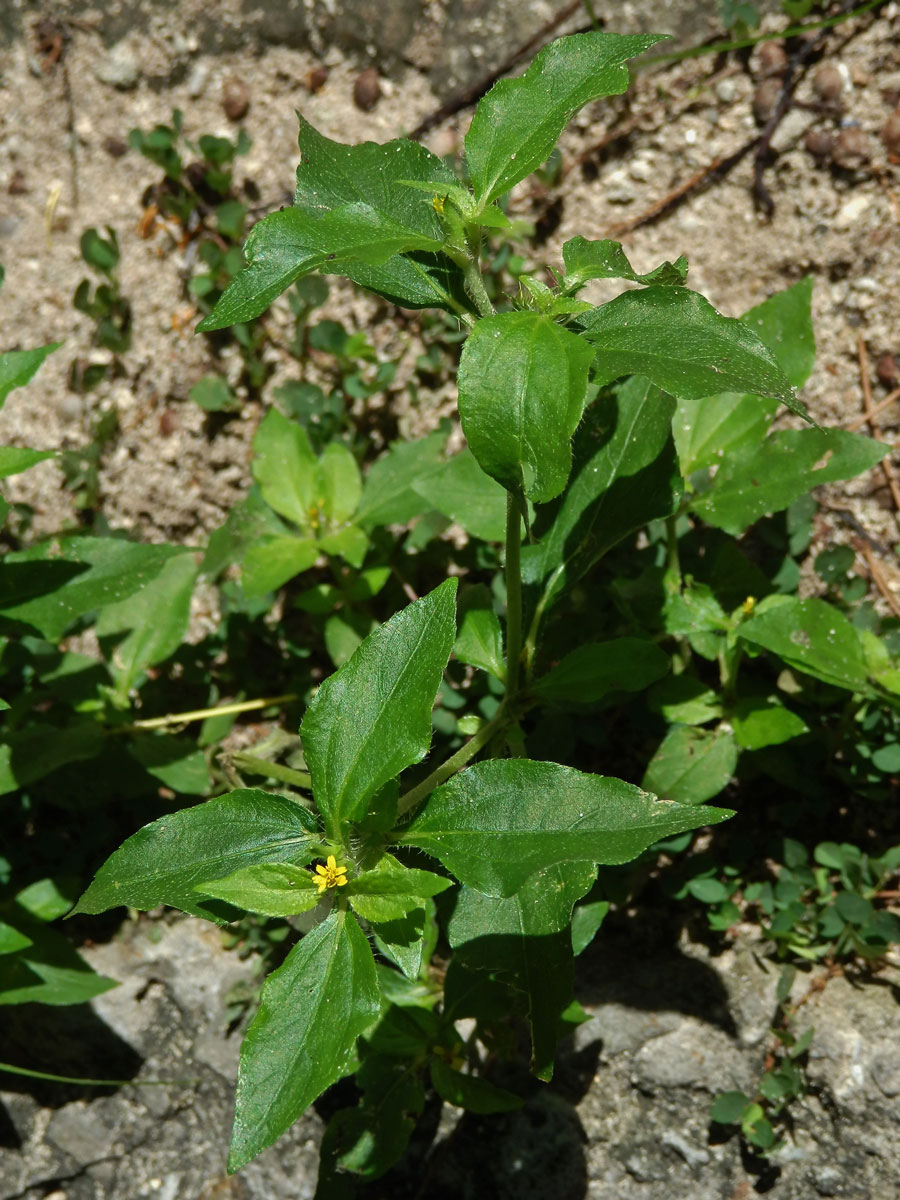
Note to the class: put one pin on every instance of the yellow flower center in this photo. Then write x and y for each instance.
(438, 203)
(749, 605)
(331, 875)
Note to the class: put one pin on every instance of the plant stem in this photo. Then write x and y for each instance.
(201, 714)
(456, 762)
(475, 288)
(513, 597)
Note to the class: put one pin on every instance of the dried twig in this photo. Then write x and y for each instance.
(858, 422)
(886, 464)
(879, 578)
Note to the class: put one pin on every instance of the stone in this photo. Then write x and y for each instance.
(693, 1055)
(235, 98)
(367, 89)
(118, 68)
(852, 210)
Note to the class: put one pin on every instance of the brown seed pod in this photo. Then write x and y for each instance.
(367, 90)
(235, 98)
(828, 83)
(890, 133)
(315, 79)
(819, 143)
(851, 147)
(770, 59)
(888, 370)
(765, 98)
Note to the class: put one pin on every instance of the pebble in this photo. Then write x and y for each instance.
(890, 133)
(617, 188)
(315, 79)
(640, 169)
(851, 147)
(828, 82)
(115, 147)
(118, 68)
(765, 98)
(770, 59)
(726, 90)
(367, 89)
(819, 143)
(17, 185)
(850, 213)
(197, 80)
(235, 98)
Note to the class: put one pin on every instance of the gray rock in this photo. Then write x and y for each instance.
(119, 68)
(693, 1055)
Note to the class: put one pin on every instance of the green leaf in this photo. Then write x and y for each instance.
(14, 460)
(463, 492)
(285, 467)
(710, 429)
(339, 483)
(685, 700)
(728, 1108)
(402, 940)
(762, 721)
(213, 394)
(789, 463)
(596, 669)
(479, 641)
(811, 635)
(17, 367)
(249, 521)
(163, 862)
(675, 338)
(853, 908)
(349, 543)
(692, 765)
(390, 890)
(273, 889)
(389, 496)
(175, 761)
(27, 755)
(155, 618)
(522, 386)
(49, 971)
(369, 1139)
(606, 259)
(303, 1038)
(518, 123)
(274, 561)
(499, 822)
(625, 475)
(372, 718)
(47, 899)
(586, 921)
(522, 941)
(350, 211)
(12, 939)
(52, 584)
(469, 1092)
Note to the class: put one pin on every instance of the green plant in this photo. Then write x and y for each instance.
(105, 305)
(367, 867)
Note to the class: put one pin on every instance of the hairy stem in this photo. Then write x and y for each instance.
(455, 763)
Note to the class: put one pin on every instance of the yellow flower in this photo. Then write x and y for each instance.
(331, 875)
(437, 203)
(749, 605)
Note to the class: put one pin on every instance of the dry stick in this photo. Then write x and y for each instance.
(858, 422)
(719, 166)
(878, 576)
(469, 96)
(886, 464)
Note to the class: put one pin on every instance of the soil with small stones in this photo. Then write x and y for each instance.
(172, 474)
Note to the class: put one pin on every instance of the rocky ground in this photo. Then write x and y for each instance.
(627, 1116)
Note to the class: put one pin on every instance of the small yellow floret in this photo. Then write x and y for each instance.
(749, 605)
(331, 875)
(438, 203)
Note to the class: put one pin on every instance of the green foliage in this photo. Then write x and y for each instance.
(458, 813)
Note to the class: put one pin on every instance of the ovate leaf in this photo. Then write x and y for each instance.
(606, 259)
(272, 562)
(590, 673)
(163, 862)
(469, 1091)
(789, 463)
(285, 467)
(390, 890)
(522, 385)
(692, 765)
(273, 889)
(677, 339)
(524, 942)
(15, 459)
(303, 1038)
(500, 821)
(461, 490)
(625, 475)
(372, 718)
(389, 496)
(17, 367)
(479, 641)
(811, 635)
(518, 122)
